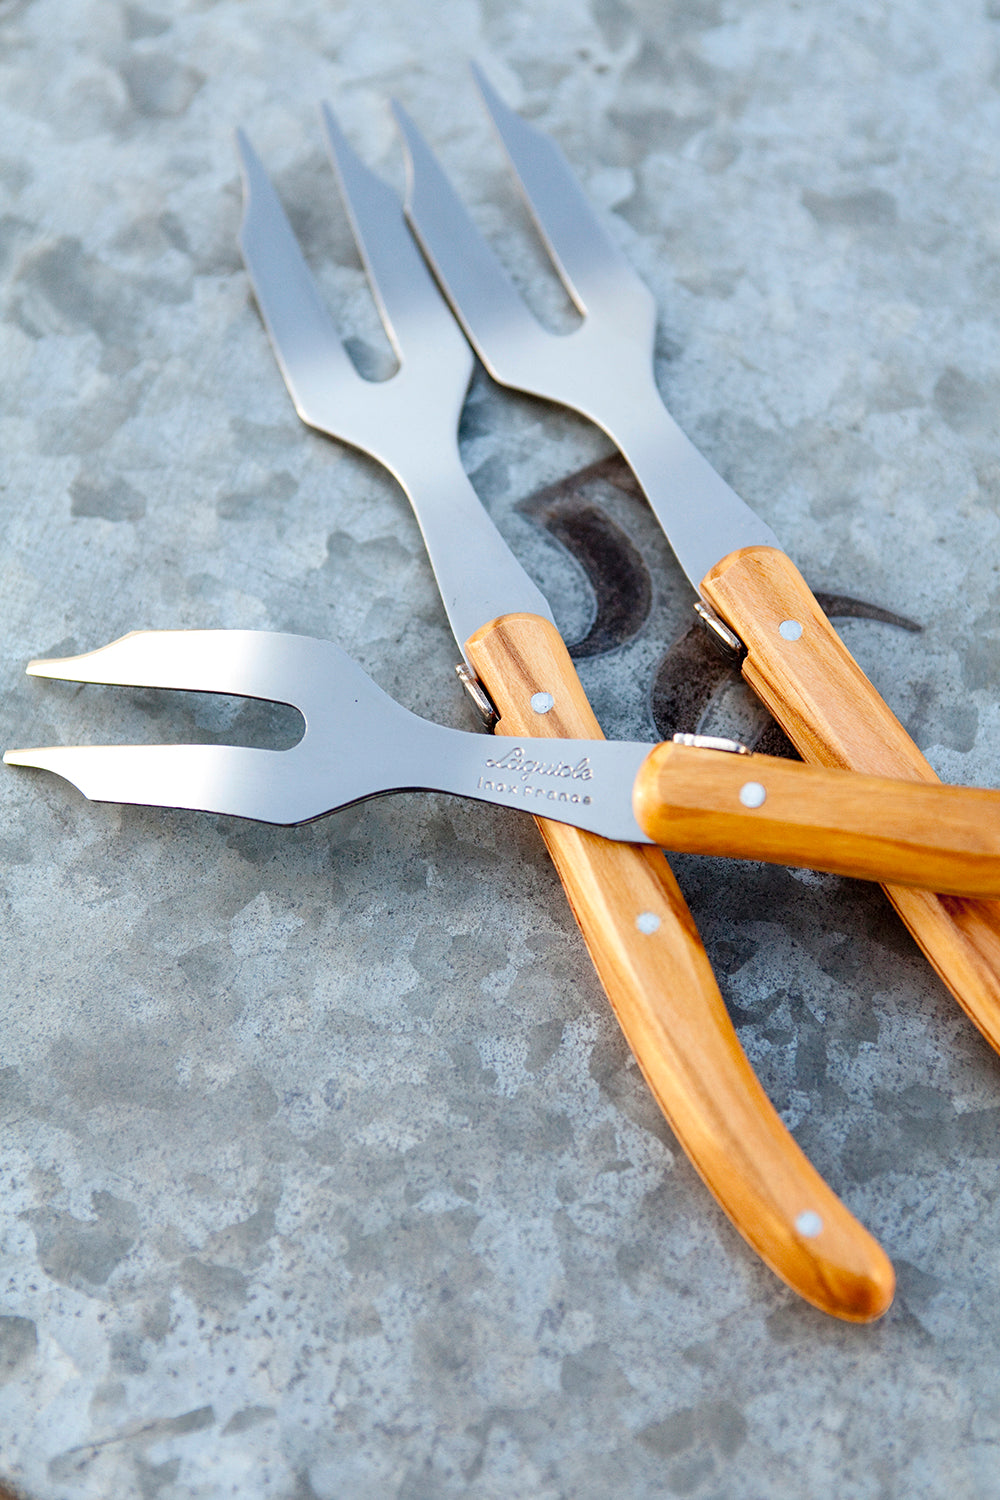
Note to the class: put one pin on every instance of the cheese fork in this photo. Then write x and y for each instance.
(627, 904)
(694, 794)
(750, 594)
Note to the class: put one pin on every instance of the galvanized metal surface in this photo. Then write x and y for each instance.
(325, 1171)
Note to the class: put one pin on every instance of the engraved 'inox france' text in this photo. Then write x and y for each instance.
(527, 793)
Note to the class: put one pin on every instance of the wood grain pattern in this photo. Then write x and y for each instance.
(664, 994)
(834, 717)
(942, 838)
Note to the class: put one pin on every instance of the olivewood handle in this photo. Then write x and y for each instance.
(943, 838)
(649, 956)
(835, 717)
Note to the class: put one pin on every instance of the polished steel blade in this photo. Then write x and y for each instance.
(604, 368)
(408, 422)
(358, 743)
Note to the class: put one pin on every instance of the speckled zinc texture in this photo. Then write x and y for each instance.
(325, 1173)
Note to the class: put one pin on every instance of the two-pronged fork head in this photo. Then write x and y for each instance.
(353, 746)
(604, 368)
(425, 395)
(408, 422)
(619, 311)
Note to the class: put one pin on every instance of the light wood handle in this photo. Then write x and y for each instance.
(650, 959)
(834, 716)
(943, 838)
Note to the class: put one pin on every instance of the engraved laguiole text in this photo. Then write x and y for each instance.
(517, 763)
(523, 772)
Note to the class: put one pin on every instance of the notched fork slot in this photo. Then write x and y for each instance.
(141, 715)
(504, 221)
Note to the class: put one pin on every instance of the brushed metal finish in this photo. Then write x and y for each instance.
(358, 742)
(408, 422)
(604, 367)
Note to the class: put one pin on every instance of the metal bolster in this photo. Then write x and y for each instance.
(485, 707)
(712, 742)
(726, 641)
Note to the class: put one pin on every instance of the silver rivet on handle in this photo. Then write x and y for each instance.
(809, 1224)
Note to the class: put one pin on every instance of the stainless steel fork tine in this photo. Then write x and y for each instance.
(236, 780)
(305, 339)
(483, 297)
(313, 676)
(583, 252)
(414, 313)
(246, 663)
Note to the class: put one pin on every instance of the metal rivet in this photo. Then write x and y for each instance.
(790, 630)
(647, 921)
(542, 702)
(809, 1224)
(752, 794)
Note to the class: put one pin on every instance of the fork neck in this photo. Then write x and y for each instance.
(477, 574)
(703, 517)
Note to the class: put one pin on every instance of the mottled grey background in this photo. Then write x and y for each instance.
(325, 1171)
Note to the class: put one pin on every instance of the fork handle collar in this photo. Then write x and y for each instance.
(802, 671)
(646, 949)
